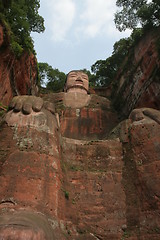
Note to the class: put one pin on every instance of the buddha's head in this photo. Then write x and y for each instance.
(77, 81)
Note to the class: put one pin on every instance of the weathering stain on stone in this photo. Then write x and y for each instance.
(70, 169)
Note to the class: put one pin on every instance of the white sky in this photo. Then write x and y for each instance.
(78, 33)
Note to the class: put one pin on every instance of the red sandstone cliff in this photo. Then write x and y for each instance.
(18, 76)
(138, 82)
(102, 187)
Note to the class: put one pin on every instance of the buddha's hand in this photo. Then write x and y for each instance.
(28, 104)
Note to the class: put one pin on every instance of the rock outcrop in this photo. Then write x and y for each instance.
(18, 75)
(30, 174)
(138, 82)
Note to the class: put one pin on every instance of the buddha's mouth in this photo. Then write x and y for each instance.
(78, 86)
(79, 82)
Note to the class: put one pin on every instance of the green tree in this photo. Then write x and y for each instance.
(105, 70)
(132, 14)
(136, 13)
(23, 18)
(54, 79)
(4, 4)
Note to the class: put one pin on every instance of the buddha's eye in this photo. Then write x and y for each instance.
(84, 77)
(72, 76)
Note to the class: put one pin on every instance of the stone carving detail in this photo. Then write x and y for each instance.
(77, 81)
(70, 171)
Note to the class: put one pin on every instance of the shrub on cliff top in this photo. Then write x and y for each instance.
(23, 18)
(135, 13)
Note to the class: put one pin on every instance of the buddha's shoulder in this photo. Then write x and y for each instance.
(54, 97)
(97, 101)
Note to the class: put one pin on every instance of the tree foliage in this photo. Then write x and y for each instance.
(22, 18)
(105, 70)
(135, 13)
(53, 78)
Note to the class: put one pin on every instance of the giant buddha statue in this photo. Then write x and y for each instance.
(63, 173)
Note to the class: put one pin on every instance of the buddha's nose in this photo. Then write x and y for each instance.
(79, 78)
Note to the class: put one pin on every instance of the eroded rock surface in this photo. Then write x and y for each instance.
(18, 76)
(137, 84)
(70, 170)
(141, 174)
(25, 225)
(30, 170)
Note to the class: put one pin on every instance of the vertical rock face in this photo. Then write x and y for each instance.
(30, 173)
(95, 207)
(138, 82)
(141, 177)
(74, 188)
(70, 170)
(18, 76)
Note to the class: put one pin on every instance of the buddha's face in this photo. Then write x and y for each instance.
(77, 81)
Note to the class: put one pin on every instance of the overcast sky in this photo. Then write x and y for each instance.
(78, 33)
